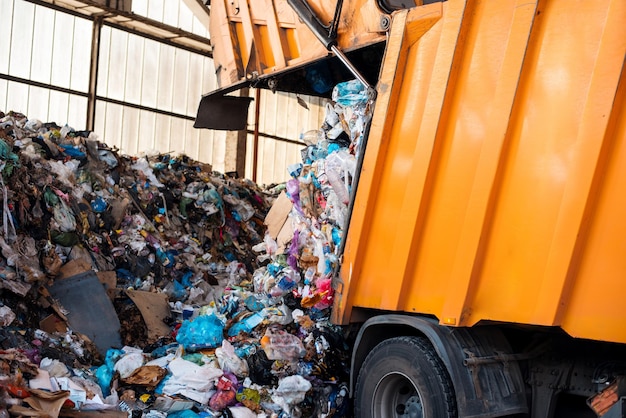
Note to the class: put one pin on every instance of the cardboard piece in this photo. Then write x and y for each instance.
(89, 309)
(41, 381)
(278, 214)
(52, 323)
(42, 404)
(109, 280)
(154, 308)
(72, 268)
(149, 376)
(284, 237)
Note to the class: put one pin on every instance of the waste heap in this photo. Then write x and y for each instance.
(152, 286)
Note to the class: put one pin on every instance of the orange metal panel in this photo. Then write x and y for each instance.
(595, 305)
(490, 187)
(251, 37)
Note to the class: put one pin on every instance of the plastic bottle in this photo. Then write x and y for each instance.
(337, 184)
(339, 170)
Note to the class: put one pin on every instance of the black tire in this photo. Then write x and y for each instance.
(404, 377)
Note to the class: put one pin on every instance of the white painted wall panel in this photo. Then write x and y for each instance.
(282, 116)
(57, 112)
(180, 81)
(76, 112)
(174, 13)
(155, 9)
(41, 63)
(6, 28)
(177, 136)
(165, 78)
(112, 132)
(38, 103)
(3, 96)
(21, 40)
(61, 50)
(80, 55)
(185, 17)
(170, 13)
(134, 70)
(162, 134)
(17, 97)
(103, 61)
(130, 131)
(118, 54)
(211, 144)
(195, 79)
(147, 130)
(150, 74)
(99, 123)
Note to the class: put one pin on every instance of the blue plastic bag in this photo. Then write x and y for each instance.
(205, 331)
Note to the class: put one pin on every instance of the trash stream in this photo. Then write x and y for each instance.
(153, 286)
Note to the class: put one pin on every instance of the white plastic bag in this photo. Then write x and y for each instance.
(229, 361)
(291, 391)
(129, 363)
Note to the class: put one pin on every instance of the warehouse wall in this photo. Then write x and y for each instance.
(46, 47)
(154, 88)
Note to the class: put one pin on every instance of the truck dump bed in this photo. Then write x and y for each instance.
(493, 185)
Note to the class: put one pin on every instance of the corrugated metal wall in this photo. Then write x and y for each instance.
(39, 44)
(154, 88)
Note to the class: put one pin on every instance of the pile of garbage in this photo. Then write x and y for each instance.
(153, 286)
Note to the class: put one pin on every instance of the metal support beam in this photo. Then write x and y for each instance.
(236, 144)
(93, 72)
(199, 10)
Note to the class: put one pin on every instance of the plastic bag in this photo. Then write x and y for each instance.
(291, 390)
(129, 363)
(105, 372)
(226, 394)
(201, 332)
(280, 345)
(188, 376)
(229, 361)
(241, 412)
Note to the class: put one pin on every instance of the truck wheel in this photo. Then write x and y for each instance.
(404, 377)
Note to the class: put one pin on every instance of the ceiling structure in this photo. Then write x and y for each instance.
(122, 18)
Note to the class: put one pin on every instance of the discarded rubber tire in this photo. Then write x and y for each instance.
(404, 377)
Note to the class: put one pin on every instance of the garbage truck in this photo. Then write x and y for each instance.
(483, 262)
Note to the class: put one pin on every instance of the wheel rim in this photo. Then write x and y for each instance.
(395, 395)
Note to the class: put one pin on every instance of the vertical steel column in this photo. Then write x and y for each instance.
(93, 72)
(255, 150)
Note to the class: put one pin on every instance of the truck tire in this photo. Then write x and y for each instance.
(404, 377)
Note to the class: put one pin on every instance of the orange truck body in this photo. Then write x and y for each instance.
(493, 185)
